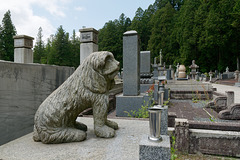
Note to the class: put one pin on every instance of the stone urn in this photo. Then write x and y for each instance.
(181, 71)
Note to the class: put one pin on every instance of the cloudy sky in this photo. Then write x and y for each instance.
(29, 15)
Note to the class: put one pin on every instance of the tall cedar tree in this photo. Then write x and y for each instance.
(110, 36)
(7, 31)
(161, 32)
(60, 51)
(39, 50)
(75, 49)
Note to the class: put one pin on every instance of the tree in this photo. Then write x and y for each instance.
(111, 36)
(60, 50)
(184, 29)
(39, 50)
(162, 23)
(75, 49)
(8, 30)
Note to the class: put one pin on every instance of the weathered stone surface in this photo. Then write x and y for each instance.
(149, 150)
(182, 135)
(125, 146)
(86, 49)
(131, 64)
(145, 62)
(232, 112)
(89, 35)
(230, 97)
(218, 103)
(23, 87)
(224, 143)
(88, 86)
(23, 55)
(128, 103)
(23, 52)
(23, 41)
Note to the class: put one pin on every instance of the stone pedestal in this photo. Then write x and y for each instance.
(89, 42)
(145, 62)
(155, 150)
(230, 97)
(23, 49)
(182, 135)
(127, 104)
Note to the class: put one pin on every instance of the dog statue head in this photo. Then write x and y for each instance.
(99, 70)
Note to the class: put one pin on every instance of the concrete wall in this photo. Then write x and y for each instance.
(23, 87)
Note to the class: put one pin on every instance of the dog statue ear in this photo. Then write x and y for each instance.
(94, 81)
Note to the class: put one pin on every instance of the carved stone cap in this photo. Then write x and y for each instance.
(88, 35)
(23, 37)
(23, 41)
(88, 30)
(130, 33)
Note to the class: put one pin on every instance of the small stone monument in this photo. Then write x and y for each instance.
(210, 75)
(177, 71)
(227, 70)
(23, 49)
(131, 99)
(160, 57)
(193, 68)
(89, 42)
(182, 72)
(238, 79)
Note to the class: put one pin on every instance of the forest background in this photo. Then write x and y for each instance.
(207, 31)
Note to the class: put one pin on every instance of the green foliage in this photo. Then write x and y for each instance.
(110, 36)
(7, 31)
(173, 150)
(39, 49)
(59, 50)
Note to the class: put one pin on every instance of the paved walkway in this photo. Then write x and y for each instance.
(223, 88)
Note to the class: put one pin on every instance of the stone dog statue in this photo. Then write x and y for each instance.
(88, 86)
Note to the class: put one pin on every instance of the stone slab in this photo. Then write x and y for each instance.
(131, 64)
(128, 104)
(149, 150)
(145, 87)
(125, 145)
(145, 62)
(23, 55)
(86, 49)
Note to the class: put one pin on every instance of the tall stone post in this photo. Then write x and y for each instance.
(230, 97)
(131, 64)
(182, 135)
(23, 49)
(131, 99)
(89, 42)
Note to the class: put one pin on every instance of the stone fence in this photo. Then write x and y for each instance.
(206, 137)
(23, 87)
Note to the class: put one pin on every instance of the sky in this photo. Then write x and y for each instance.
(29, 15)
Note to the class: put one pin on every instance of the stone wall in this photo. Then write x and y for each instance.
(207, 138)
(23, 87)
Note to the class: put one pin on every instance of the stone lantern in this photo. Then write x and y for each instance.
(193, 68)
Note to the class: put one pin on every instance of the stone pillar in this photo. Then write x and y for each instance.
(145, 62)
(230, 97)
(23, 49)
(131, 64)
(89, 42)
(182, 135)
